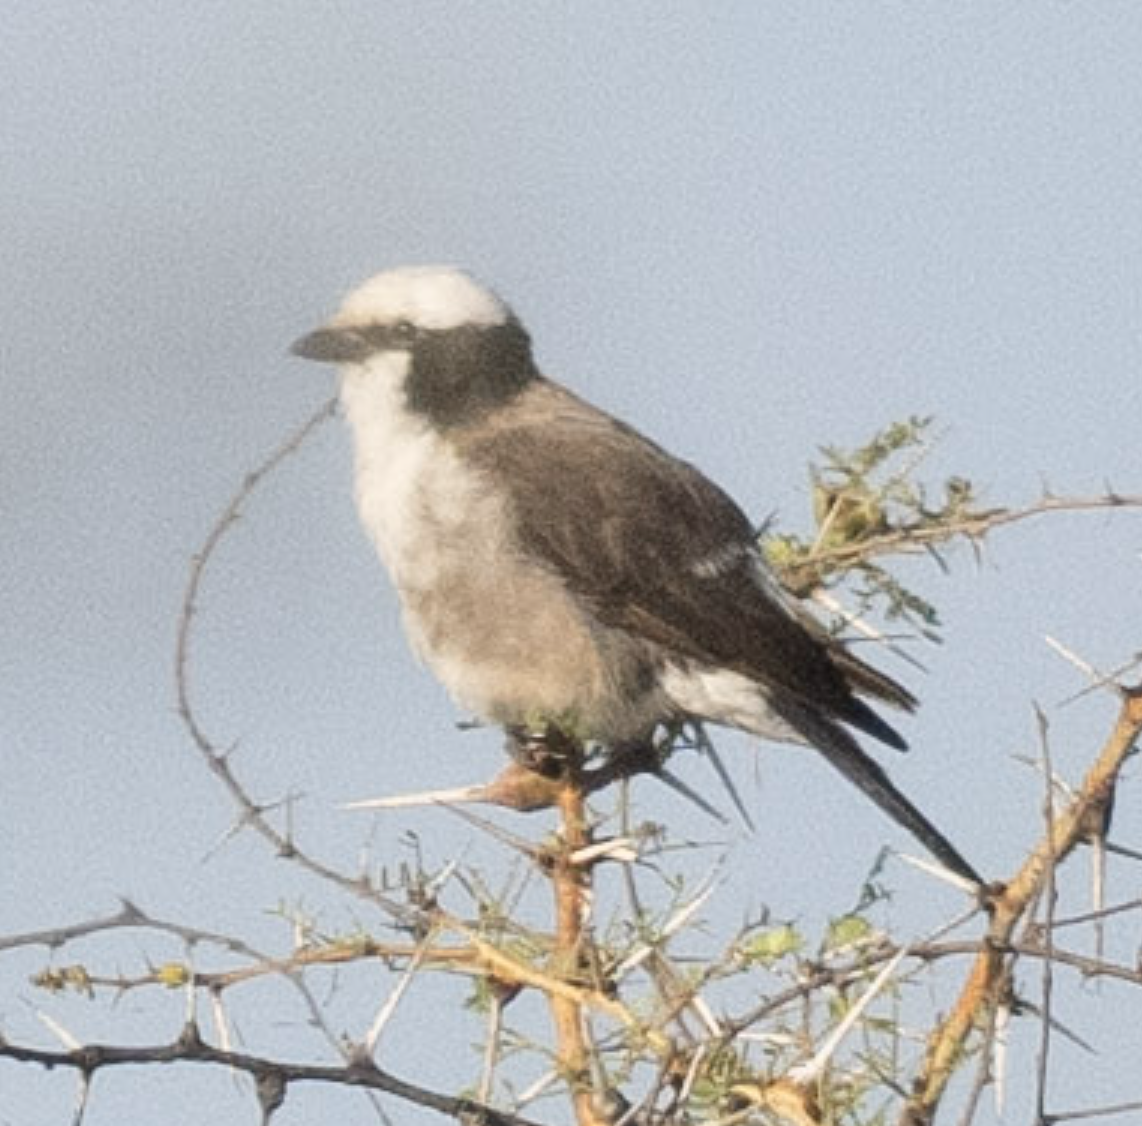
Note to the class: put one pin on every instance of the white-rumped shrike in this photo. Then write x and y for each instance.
(556, 567)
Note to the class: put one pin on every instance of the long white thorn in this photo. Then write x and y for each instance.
(940, 873)
(1085, 667)
(809, 1072)
(460, 795)
(70, 1042)
(674, 923)
(999, 1057)
(386, 1011)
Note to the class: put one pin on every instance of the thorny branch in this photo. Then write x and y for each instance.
(570, 884)
(482, 960)
(128, 916)
(1072, 825)
(190, 1048)
(252, 813)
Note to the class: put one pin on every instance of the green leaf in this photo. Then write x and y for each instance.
(845, 930)
(772, 945)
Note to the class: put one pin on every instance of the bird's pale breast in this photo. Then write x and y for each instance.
(501, 633)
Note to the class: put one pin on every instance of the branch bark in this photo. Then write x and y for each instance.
(190, 1048)
(980, 992)
(570, 883)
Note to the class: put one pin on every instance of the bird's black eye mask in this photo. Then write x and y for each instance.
(460, 374)
(457, 374)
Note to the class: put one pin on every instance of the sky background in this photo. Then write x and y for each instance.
(749, 229)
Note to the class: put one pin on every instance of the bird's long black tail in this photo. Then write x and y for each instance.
(845, 753)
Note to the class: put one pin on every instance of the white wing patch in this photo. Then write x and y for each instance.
(724, 559)
(725, 697)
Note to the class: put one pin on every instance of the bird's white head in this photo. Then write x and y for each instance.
(436, 298)
(387, 313)
(456, 349)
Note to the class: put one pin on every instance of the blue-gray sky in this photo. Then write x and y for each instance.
(747, 228)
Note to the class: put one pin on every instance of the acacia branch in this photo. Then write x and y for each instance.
(190, 1048)
(570, 883)
(1071, 826)
(804, 575)
(253, 813)
(130, 916)
(127, 917)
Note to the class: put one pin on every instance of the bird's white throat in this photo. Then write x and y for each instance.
(404, 471)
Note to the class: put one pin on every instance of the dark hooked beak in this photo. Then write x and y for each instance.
(334, 346)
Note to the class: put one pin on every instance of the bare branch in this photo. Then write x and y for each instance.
(190, 1048)
(252, 813)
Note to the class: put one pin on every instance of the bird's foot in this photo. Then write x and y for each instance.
(548, 752)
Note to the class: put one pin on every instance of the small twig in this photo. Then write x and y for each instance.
(251, 813)
(1094, 1112)
(1095, 916)
(807, 573)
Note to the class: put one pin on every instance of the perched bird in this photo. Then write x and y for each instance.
(556, 567)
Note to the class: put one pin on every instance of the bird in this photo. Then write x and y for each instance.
(557, 568)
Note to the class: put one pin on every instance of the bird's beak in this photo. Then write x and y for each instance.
(333, 346)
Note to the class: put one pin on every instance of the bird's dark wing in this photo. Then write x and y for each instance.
(657, 549)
